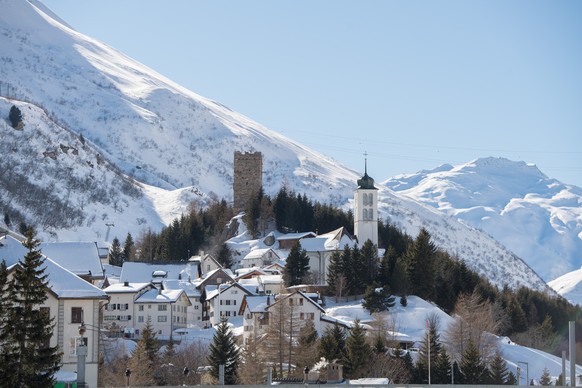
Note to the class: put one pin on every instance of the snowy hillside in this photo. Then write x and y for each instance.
(110, 146)
(569, 286)
(538, 218)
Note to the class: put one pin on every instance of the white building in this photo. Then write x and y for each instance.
(256, 311)
(366, 210)
(224, 300)
(71, 302)
(260, 257)
(133, 303)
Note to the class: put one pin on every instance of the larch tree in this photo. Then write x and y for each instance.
(223, 351)
(29, 325)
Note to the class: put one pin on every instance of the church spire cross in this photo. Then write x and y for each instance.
(365, 162)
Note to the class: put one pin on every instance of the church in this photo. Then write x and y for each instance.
(366, 210)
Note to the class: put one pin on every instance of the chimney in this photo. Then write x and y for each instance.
(126, 284)
(268, 300)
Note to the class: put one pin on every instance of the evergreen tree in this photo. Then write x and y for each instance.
(15, 117)
(7, 346)
(498, 370)
(144, 358)
(545, 378)
(403, 301)
(224, 256)
(369, 254)
(430, 346)
(473, 369)
(333, 343)
(377, 299)
(115, 253)
(420, 258)
(441, 372)
(511, 379)
(32, 361)
(252, 213)
(296, 267)
(128, 248)
(223, 351)
(410, 368)
(308, 343)
(358, 352)
(357, 272)
(334, 274)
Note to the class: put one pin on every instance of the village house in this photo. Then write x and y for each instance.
(133, 303)
(71, 302)
(260, 257)
(81, 258)
(224, 300)
(256, 311)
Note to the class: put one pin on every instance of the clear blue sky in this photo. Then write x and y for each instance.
(414, 83)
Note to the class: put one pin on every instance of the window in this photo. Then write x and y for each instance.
(301, 316)
(371, 214)
(365, 199)
(162, 307)
(162, 318)
(311, 316)
(365, 214)
(300, 302)
(140, 308)
(76, 314)
(196, 307)
(228, 302)
(140, 319)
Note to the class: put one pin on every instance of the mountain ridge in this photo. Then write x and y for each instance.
(147, 147)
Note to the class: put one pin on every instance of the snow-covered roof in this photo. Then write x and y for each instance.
(271, 279)
(81, 258)
(191, 288)
(136, 272)
(157, 296)
(62, 282)
(295, 236)
(212, 290)
(251, 285)
(259, 253)
(259, 303)
(127, 287)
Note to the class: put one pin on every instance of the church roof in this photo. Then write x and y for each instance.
(366, 182)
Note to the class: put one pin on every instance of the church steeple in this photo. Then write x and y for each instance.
(366, 208)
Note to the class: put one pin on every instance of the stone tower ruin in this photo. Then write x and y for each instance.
(248, 177)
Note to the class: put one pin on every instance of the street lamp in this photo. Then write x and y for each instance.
(81, 357)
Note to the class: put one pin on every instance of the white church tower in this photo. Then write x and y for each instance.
(366, 209)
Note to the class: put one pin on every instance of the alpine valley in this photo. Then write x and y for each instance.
(107, 141)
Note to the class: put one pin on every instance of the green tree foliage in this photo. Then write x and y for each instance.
(223, 351)
(420, 258)
(441, 372)
(252, 213)
(473, 368)
(116, 256)
(369, 260)
(224, 256)
(358, 352)
(15, 117)
(144, 358)
(498, 372)
(332, 345)
(377, 299)
(128, 247)
(545, 378)
(430, 347)
(296, 267)
(27, 328)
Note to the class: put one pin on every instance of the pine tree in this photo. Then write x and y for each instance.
(296, 267)
(128, 248)
(333, 343)
(334, 274)
(420, 265)
(29, 328)
(431, 345)
(115, 253)
(358, 352)
(7, 364)
(15, 117)
(377, 299)
(473, 369)
(441, 373)
(498, 370)
(369, 254)
(144, 358)
(545, 378)
(223, 351)
(224, 256)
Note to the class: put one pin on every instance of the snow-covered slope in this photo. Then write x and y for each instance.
(538, 218)
(569, 286)
(110, 146)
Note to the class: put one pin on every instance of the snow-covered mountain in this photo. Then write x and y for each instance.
(569, 286)
(538, 218)
(110, 146)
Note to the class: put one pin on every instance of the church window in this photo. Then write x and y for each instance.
(365, 200)
(370, 199)
(371, 214)
(365, 214)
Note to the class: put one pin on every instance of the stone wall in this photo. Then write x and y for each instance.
(248, 177)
